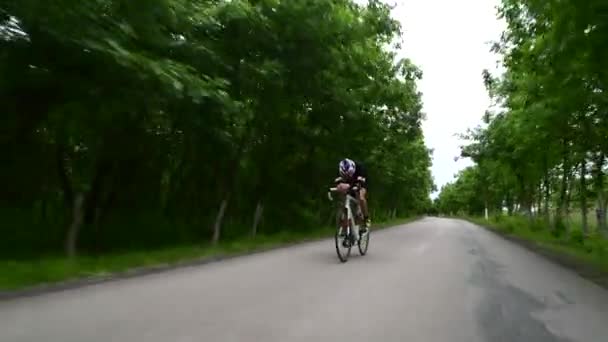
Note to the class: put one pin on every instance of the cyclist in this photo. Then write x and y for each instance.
(354, 173)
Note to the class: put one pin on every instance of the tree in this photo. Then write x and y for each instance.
(548, 140)
(171, 121)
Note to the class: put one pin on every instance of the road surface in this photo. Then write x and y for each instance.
(432, 280)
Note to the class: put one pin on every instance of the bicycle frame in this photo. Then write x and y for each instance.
(347, 207)
(349, 220)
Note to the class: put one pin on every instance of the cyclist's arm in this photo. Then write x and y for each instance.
(352, 183)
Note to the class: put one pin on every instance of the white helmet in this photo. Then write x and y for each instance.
(347, 168)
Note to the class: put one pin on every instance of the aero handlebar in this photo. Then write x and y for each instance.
(354, 188)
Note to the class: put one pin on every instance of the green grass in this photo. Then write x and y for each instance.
(15, 275)
(591, 250)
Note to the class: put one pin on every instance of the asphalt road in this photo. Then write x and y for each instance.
(432, 280)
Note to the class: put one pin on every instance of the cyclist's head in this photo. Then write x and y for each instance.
(347, 168)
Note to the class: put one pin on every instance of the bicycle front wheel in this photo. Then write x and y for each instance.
(343, 245)
(363, 242)
(342, 239)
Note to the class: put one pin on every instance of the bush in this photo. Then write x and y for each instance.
(537, 225)
(508, 225)
(560, 229)
(597, 245)
(576, 237)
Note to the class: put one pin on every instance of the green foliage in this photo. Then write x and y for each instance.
(542, 148)
(576, 237)
(462, 196)
(589, 250)
(162, 110)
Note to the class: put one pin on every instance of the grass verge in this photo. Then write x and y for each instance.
(46, 272)
(588, 256)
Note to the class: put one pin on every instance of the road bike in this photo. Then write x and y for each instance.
(348, 218)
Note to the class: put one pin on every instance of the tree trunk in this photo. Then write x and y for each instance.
(42, 215)
(74, 229)
(562, 204)
(486, 212)
(217, 226)
(565, 195)
(259, 210)
(97, 229)
(539, 201)
(571, 186)
(229, 182)
(94, 195)
(526, 196)
(64, 180)
(547, 197)
(510, 204)
(602, 225)
(583, 195)
(529, 203)
(601, 195)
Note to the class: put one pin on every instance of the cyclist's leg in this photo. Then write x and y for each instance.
(364, 207)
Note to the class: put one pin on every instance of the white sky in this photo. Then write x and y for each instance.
(449, 41)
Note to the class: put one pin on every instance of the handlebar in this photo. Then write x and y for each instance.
(334, 189)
